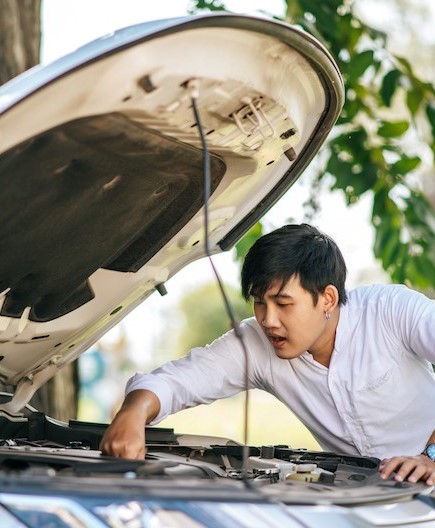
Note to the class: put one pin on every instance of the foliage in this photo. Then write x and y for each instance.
(246, 242)
(205, 321)
(371, 149)
(207, 5)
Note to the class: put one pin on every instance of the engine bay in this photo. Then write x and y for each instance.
(39, 446)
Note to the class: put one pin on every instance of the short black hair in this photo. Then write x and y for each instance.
(295, 249)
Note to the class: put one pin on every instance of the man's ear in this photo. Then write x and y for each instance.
(331, 298)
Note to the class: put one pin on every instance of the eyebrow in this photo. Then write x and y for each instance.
(285, 295)
(277, 296)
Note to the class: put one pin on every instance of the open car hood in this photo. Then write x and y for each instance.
(101, 169)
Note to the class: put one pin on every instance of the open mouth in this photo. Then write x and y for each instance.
(277, 341)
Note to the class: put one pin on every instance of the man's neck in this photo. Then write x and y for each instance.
(322, 350)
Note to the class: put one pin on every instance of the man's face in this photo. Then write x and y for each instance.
(290, 320)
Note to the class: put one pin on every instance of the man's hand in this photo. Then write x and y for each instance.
(125, 436)
(410, 468)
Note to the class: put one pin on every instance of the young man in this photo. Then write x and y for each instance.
(354, 367)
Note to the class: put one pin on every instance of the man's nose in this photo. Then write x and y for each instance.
(270, 319)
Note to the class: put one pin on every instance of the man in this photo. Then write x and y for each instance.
(355, 367)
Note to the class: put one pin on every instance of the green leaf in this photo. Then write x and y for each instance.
(319, 9)
(359, 64)
(390, 249)
(385, 235)
(419, 270)
(406, 65)
(426, 271)
(347, 34)
(389, 86)
(293, 11)
(385, 208)
(366, 179)
(413, 100)
(420, 213)
(351, 108)
(399, 267)
(377, 156)
(242, 247)
(210, 5)
(361, 91)
(341, 170)
(405, 164)
(333, 5)
(390, 129)
(430, 113)
(352, 142)
(376, 34)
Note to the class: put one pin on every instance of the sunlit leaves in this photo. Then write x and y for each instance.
(368, 151)
(350, 110)
(359, 64)
(389, 86)
(322, 12)
(350, 164)
(405, 165)
(413, 101)
(391, 129)
(403, 242)
(430, 113)
(420, 214)
(207, 5)
(246, 242)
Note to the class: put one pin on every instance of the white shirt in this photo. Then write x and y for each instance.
(377, 398)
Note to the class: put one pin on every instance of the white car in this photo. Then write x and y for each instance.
(105, 196)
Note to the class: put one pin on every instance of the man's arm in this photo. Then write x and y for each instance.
(411, 468)
(125, 436)
(415, 319)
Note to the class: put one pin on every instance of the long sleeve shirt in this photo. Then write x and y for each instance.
(376, 398)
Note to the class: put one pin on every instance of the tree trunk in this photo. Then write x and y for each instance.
(20, 36)
(20, 40)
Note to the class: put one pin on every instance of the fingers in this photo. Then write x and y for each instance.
(124, 438)
(123, 450)
(411, 468)
(123, 447)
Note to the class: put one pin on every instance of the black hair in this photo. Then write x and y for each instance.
(295, 249)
